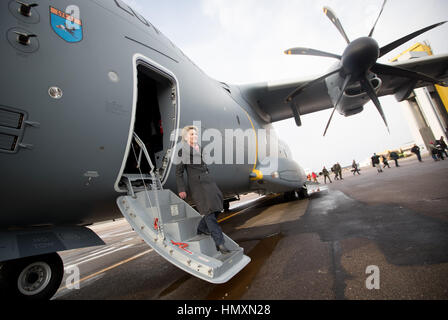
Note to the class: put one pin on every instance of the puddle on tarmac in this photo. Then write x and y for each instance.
(235, 288)
(175, 285)
(238, 285)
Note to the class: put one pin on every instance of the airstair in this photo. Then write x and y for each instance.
(169, 225)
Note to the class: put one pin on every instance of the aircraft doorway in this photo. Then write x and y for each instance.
(155, 121)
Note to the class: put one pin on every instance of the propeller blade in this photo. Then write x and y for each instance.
(306, 85)
(344, 86)
(330, 14)
(367, 87)
(380, 69)
(329, 120)
(312, 52)
(391, 46)
(374, 25)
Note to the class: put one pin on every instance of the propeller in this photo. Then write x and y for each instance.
(358, 60)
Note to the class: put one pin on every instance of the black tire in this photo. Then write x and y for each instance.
(31, 278)
(290, 196)
(303, 193)
(226, 206)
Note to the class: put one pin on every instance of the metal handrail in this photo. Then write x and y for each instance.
(156, 184)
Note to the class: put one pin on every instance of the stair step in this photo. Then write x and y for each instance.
(183, 228)
(204, 244)
(229, 256)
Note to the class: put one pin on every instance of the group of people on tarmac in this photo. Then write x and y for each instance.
(438, 148)
(312, 175)
(377, 164)
(438, 151)
(336, 169)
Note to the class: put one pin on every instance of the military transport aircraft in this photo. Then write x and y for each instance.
(93, 97)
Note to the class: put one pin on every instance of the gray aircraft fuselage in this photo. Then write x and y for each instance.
(62, 161)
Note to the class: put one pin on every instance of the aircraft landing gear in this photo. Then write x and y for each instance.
(300, 194)
(31, 278)
(303, 193)
(226, 205)
(290, 195)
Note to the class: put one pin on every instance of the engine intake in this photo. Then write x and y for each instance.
(357, 90)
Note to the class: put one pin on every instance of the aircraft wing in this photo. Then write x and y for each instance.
(268, 98)
(434, 66)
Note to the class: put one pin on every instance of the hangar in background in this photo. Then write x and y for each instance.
(426, 109)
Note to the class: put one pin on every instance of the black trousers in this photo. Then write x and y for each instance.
(419, 157)
(209, 224)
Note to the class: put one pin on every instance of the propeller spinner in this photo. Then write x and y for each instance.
(358, 59)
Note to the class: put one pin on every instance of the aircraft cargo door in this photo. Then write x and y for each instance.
(155, 120)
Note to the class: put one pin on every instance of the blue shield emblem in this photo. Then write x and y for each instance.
(66, 26)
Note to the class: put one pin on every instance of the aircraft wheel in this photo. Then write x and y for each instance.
(226, 206)
(290, 195)
(303, 193)
(295, 195)
(31, 278)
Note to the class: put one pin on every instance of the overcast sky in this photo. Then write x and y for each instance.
(242, 41)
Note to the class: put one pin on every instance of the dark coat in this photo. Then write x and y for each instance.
(434, 150)
(203, 190)
(415, 149)
(394, 155)
(442, 143)
(375, 160)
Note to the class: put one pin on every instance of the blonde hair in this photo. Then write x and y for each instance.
(186, 129)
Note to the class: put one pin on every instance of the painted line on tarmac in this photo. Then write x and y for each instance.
(98, 256)
(112, 234)
(108, 268)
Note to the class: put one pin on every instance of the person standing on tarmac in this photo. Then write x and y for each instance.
(326, 175)
(442, 145)
(435, 154)
(385, 162)
(376, 162)
(335, 171)
(314, 175)
(394, 156)
(439, 149)
(355, 167)
(416, 149)
(339, 170)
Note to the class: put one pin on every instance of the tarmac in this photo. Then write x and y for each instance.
(374, 236)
